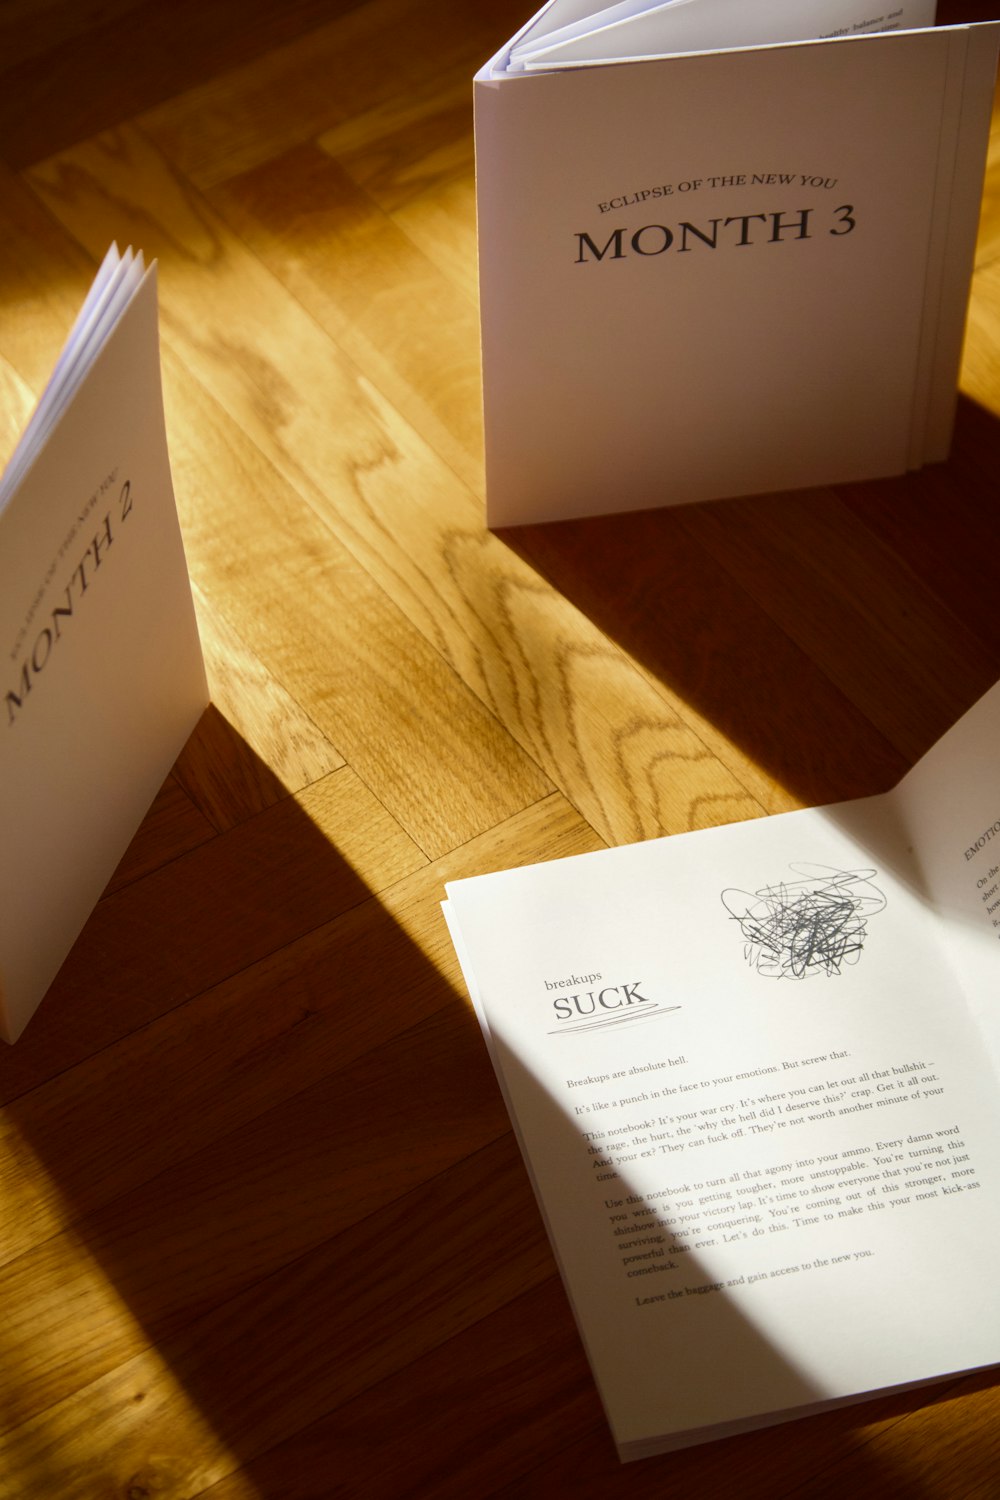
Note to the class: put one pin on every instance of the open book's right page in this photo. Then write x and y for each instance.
(950, 806)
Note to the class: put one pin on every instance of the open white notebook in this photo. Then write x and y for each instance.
(755, 1075)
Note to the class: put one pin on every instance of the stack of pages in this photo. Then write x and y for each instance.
(725, 247)
(103, 666)
(755, 1075)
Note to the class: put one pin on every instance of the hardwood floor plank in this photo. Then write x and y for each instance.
(981, 359)
(265, 733)
(988, 242)
(399, 1436)
(226, 777)
(410, 146)
(246, 1206)
(336, 641)
(297, 1016)
(17, 403)
(44, 275)
(944, 528)
(419, 169)
(30, 28)
(741, 677)
(211, 914)
(358, 1308)
(172, 827)
(942, 1449)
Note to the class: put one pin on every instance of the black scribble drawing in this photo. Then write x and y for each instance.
(813, 924)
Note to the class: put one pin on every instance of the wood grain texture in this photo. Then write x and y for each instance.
(266, 1235)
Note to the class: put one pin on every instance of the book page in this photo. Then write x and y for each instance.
(632, 29)
(756, 1110)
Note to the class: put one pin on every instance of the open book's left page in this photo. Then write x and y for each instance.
(103, 673)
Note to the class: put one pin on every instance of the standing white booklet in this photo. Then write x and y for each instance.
(755, 1075)
(724, 247)
(102, 664)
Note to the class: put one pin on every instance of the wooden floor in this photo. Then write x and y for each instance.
(265, 1232)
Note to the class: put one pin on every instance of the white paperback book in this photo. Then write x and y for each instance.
(103, 666)
(755, 1075)
(725, 247)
